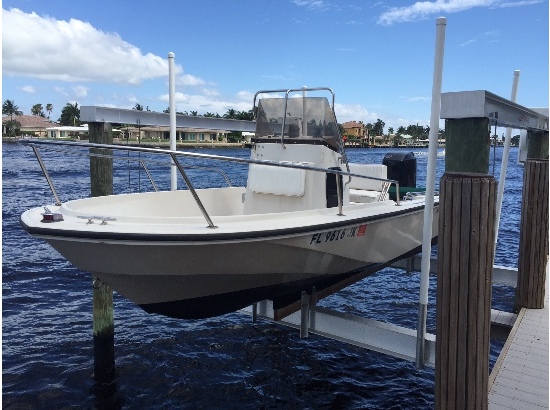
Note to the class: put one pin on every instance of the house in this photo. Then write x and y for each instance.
(67, 131)
(355, 129)
(29, 124)
(182, 134)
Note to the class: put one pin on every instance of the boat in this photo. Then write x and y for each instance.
(306, 218)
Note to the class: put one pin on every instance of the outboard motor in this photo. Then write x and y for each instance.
(401, 168)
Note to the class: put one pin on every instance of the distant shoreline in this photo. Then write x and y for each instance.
(146, 144)
(179, 144)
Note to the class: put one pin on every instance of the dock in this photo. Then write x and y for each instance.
(519, 379)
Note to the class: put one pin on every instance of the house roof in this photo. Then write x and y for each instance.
(30, 121)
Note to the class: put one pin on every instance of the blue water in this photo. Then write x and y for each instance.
(223, 362)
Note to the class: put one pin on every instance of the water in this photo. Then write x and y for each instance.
(223, 362)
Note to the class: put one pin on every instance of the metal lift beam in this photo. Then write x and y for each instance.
(90, 113)
(483, 104)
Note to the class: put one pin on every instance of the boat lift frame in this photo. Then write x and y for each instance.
(371, 334)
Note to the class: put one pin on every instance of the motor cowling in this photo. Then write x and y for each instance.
(401, 168)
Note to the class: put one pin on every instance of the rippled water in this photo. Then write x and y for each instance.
(223, 362)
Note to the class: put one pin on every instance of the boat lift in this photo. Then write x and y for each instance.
(303, 313)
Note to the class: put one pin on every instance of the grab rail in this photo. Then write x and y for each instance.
(175, 154)
(45, 172)
(193, 192)
(143, 162)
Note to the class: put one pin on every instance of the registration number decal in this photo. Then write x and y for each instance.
(338, 234)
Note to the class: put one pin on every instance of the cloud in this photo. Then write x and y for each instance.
(29, 89)
(353, 23)
(467, 43)
(414, 99)
(520, 3)
(189, 80)
(423, 9)
(61, 91)
(317, 5)
(74, 51)
(210, 92)
(353, 112)
(80, 91)
(245, 96)
(204, 103)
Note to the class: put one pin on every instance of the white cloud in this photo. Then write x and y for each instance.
(414, 99)
(467, 43)
(204, 103)
(355, 112)
(318, 5)
(73, 51)
(353, 23)
(520, 3)
(424, 9)
(210, 92)
(189, 80)
(61, 90)
(245, 96)
(80, 91)
(29, 89)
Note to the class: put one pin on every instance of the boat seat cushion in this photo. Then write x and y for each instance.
(371, 170)
(265, 179)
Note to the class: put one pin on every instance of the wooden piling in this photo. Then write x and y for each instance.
(101, 169)
(465, 257)
(104, 332)
(101, 179)
(533, 242)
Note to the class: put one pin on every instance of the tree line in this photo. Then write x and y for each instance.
(417, 132)
(70, 115)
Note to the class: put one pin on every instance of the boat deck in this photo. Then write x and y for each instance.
(520, 376)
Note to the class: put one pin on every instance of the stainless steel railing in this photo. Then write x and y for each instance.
(174, 156)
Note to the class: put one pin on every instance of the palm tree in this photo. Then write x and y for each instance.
(138, 107)
(9, 108)
(231, 113)
(37, 110)
(378, 127)
(70, 115)
(49, 108)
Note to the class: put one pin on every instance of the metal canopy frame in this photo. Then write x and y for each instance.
(90, 113)
(484, 104)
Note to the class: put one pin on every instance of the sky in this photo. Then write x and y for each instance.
(377, 56)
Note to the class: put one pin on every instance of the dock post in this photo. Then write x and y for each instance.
(533, 241)
(465, 256)
(101, 178)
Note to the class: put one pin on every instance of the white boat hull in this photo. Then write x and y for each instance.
(205, 271)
